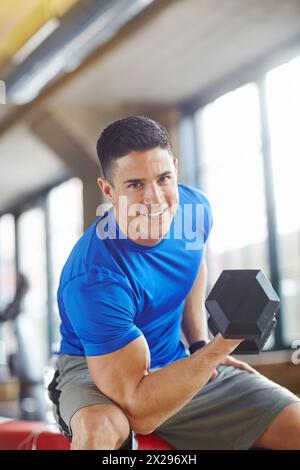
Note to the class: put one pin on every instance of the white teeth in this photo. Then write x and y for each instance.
(154, 214)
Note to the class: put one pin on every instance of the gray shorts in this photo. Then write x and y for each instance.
(230, 412)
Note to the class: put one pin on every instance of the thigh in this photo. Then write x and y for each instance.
(230, 412)
(283, 432)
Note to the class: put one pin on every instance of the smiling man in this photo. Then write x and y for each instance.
(145, 207)
(132, 285)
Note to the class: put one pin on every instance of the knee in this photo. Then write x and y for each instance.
(96, 428)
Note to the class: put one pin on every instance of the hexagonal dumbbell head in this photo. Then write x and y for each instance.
(242, 303)
(248, 346)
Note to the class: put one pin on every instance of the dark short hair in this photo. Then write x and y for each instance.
(126, 135)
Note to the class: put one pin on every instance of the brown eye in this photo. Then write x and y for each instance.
(134, 186)
(164, 179)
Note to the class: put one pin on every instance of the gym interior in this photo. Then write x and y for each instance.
(223, 78)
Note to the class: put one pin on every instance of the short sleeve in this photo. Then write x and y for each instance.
(101, 309)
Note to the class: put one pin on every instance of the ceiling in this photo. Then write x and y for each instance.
(27, 165)
(20, 19)
(184, 49)
(176, 53)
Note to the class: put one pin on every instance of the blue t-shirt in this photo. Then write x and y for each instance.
(113, 290)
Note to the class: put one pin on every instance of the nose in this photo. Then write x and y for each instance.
(152, 195)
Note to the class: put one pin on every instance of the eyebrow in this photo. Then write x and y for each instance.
(137, 180)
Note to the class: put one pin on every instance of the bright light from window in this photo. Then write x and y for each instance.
(66, 224)
(283, 94)
(283, 99)
(7, 259)
(66, 221)
(231, 169)
(33, 266)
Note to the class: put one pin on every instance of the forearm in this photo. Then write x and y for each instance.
(164, 392)
(194, 318)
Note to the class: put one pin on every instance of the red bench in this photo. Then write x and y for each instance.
(28, 435)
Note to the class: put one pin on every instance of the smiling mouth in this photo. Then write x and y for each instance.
(154, 214)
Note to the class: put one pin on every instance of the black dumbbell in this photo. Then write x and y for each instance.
(243, 304)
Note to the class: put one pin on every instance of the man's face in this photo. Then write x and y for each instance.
(148, 181)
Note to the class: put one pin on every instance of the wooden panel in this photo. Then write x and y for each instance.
(20, 19)
(286, 374)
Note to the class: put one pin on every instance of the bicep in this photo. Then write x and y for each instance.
(118, 374)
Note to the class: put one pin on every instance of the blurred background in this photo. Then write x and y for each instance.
(223, 76)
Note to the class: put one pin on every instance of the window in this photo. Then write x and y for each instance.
(231, 172)
(283, 102)
(32, 263)
(7, 259)
(7, 282)
(65, 227)
(47, 230)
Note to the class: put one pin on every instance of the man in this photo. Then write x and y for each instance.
(132, 284)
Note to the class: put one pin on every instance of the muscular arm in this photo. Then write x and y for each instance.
(164, 392)
(194, 319)
(149, 399)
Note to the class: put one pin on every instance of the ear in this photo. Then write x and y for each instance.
(106, 189)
